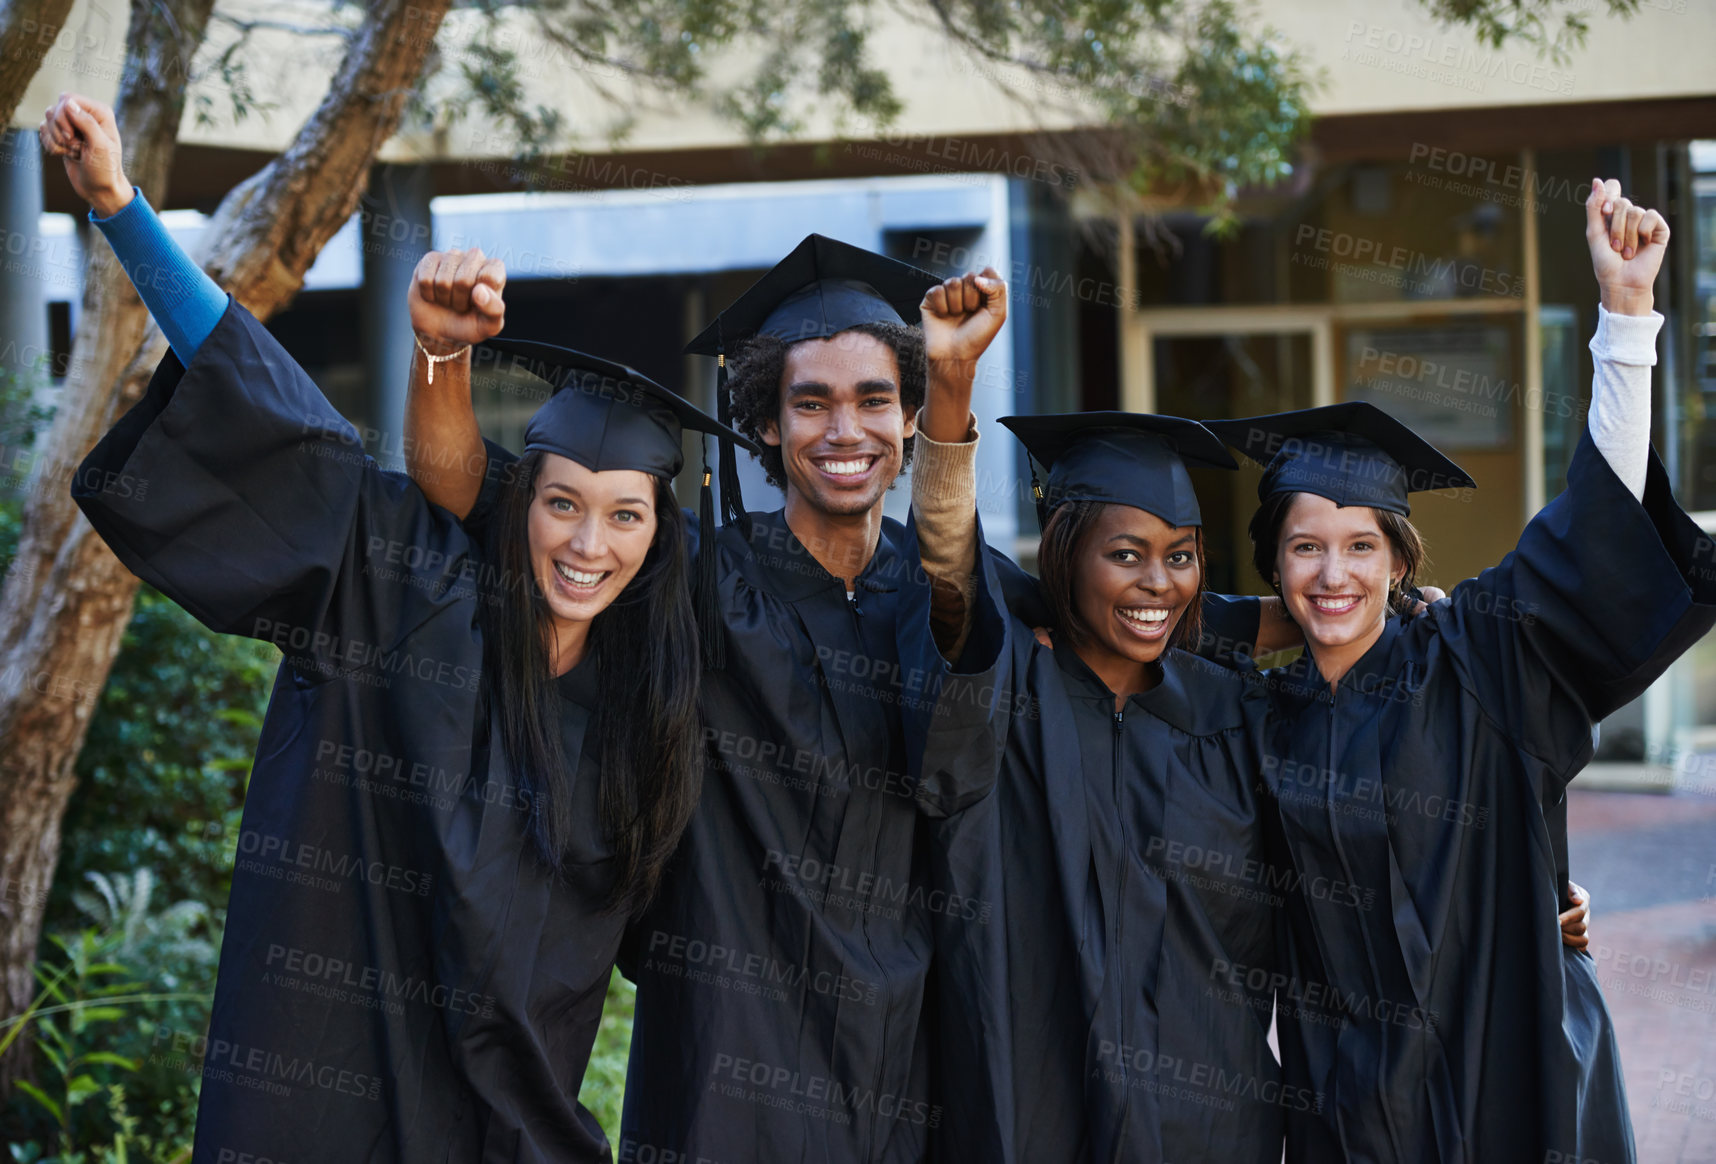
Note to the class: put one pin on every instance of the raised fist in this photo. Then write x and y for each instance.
(1627, 245)
(456, 299)
(81, 130)
(961, 316)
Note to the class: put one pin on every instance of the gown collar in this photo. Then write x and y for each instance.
(1301, 682)
(1169, 692)
(792, 571)
(579, 684)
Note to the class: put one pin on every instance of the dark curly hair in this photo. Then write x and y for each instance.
(754, 380)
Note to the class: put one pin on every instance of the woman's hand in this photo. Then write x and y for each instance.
(82, 131)
(1627, 247)
(455, 299)
(1427, 595)
(1575, 920)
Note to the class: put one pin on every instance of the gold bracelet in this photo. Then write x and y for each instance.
(433, 360)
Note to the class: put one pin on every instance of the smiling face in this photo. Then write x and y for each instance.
(1334, 567)
(589, 533)
(841, 429)
(1134, 577)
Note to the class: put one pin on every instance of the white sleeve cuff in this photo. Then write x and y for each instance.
(1626, 339)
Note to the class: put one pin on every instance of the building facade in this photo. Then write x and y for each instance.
(1428, 255)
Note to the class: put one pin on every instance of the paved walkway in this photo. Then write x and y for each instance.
(1650, 864)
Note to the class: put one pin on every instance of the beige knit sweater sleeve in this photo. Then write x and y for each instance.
(944, 502)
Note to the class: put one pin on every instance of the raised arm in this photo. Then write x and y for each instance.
(1610, 582)
(233, 486)
(1627, 245)
(183, 300)
(455, 300)
(961, 317)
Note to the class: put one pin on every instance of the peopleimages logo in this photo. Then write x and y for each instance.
(815, 1095)
(846, 886)
(297, 862)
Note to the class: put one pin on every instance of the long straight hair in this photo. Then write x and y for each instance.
(644, 649)
(1057, 567)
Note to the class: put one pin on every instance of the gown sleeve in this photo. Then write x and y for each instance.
(1230, 627)
(1603, 592)
(237, 490)
(957, 717)
(500, 474)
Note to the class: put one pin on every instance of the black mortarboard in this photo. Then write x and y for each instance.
(608, 416)
(1123, 458)
(602, 414)
(821, 289)
(1352, 453)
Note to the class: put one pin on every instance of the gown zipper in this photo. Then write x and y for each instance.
(1119, 942)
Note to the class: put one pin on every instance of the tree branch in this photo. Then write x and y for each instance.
(28, 29)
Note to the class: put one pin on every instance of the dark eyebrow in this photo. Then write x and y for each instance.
(818, 388)
(571, 492)
(1292, 534)
(1183, 539)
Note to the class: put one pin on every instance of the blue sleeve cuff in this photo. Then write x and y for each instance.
(178, 293)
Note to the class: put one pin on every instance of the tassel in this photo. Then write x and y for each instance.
(710, 633)
(732, 502)
(1037, 493)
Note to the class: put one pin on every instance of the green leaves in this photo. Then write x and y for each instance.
(88, 990)
(1553, 27)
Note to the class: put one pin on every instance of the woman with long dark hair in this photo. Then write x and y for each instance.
(478, 756)
(1421, 762)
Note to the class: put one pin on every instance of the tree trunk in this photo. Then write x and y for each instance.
(28, 29)
(67, 599)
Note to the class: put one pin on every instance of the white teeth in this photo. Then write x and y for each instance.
(1332, 603)
(580, 577)
(846, 468)
(1148, 615)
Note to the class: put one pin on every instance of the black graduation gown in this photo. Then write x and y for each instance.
(1431, 1003)
(401, 978)
(1120, 1009)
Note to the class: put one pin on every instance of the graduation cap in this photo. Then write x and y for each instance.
(1122, 458)
(602, 414)
(821, 289)
(608, 416)
(1352, 453)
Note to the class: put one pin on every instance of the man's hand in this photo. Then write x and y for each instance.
(1627, 247)
(1576, 920)
(961, 316)
(82, 131)
(455, 299)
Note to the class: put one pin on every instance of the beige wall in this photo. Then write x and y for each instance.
(1389, 56)
(1374, 55)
